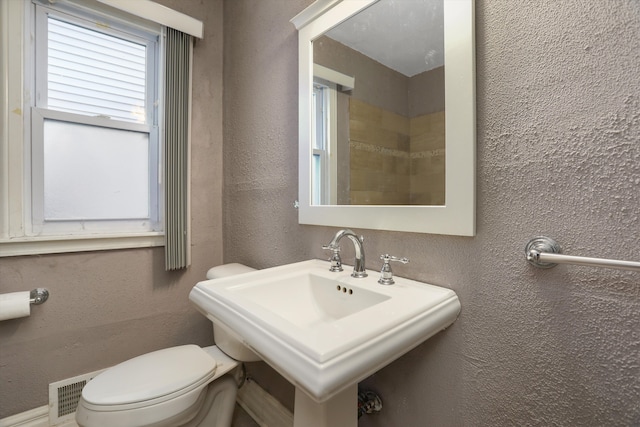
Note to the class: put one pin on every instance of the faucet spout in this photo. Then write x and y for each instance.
(358, 265)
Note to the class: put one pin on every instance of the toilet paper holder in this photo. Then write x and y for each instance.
(38, 296)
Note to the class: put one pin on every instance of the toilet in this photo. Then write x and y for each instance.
(183, 386)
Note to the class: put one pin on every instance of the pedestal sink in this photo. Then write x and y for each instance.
(325, 331)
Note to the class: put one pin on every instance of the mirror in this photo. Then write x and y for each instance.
(370, 124)
(386, 126)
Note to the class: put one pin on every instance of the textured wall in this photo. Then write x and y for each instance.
(108, 306)
(558, 125)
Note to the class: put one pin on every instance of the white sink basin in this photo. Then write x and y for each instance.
(307, 300)
(325, 331)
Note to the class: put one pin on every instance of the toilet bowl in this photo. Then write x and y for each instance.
(183, 386)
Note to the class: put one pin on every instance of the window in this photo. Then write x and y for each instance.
(95, 142)
(324, 143)
(320, 145)
(81, 118)
(324, 124)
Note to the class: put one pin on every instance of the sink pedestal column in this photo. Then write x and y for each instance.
(341, 410)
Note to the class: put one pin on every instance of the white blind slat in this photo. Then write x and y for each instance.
(84, 67)
(91, 37)
(103, 60)
(112, 99)
(79, 78)
(101, 77)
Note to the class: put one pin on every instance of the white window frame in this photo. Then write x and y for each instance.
(150, 38)
(321, 143)
(326, 120)
(16, 233)
(331, 81)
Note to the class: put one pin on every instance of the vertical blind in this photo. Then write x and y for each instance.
(176, 118)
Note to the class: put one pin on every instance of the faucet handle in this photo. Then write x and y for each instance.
(336, 261)
(386, 258)
(386, 274)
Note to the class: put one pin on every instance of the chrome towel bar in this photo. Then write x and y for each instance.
(544, 252)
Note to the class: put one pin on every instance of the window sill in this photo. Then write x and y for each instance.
(64, 244)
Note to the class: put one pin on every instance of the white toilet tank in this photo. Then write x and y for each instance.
(226, 340)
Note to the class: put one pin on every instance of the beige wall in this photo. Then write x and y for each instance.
(427, 153)
(393, 159)
(380, 145)
(426, 92)
(558, 125)
(108, 306)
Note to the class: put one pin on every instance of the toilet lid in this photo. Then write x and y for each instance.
(150, 376)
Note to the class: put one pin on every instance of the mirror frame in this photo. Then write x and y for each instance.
(457, 216)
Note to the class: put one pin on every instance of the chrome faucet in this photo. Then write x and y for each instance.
(358, 265)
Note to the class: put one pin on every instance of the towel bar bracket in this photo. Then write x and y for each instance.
(38, 296)
(539, 245)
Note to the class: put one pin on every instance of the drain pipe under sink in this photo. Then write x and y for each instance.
(368, 402)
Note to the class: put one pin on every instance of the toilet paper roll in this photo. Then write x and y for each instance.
(14, 305)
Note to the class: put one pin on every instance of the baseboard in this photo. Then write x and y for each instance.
(38, 417)
(262, 407)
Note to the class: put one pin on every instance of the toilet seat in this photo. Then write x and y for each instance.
(174, 408)
(178, 386)
(150, 379)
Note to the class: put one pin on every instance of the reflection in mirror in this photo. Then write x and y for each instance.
(379, 139)
(454, 213)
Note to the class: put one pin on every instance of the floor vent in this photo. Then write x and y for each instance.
(68, 397)
(64, 397)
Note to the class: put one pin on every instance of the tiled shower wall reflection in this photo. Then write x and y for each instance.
(395, 160)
